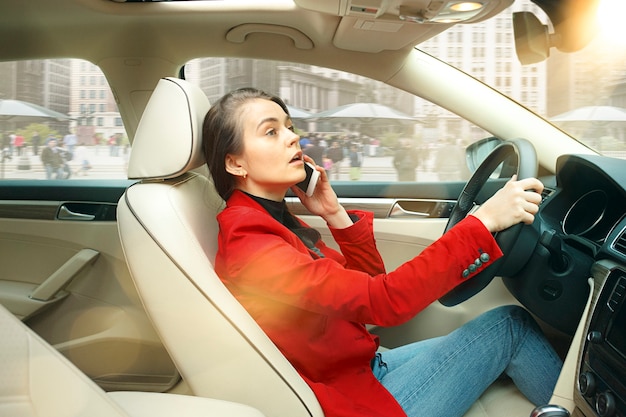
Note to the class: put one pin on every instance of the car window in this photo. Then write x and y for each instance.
(357, 128)
(59, 120)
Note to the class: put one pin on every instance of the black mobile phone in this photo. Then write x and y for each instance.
(312, 175)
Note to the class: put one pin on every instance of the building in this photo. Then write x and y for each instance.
(93, 108)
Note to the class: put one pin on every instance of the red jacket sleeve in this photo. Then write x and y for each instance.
(259, 257)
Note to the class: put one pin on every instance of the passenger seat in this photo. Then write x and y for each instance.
(37, 381)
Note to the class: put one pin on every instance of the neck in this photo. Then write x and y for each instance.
(274, 195)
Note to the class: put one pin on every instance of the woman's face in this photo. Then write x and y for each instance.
(271, 159)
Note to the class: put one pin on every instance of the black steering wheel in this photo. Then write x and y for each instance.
(517, 156)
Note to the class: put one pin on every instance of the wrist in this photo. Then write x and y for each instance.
(485, 220)
(339, 219)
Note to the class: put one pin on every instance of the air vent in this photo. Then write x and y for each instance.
(546, 193)
(620, 243)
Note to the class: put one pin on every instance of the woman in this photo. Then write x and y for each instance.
(312, 301)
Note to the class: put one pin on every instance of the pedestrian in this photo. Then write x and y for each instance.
(35, 142)
(405, 161)
(315, 151)
(69, 142)
(52, 160)
(335, 154)
(66, 157)
(19, 144)
(450, 161)
(356, 160)
(313, 301)
(82, 158)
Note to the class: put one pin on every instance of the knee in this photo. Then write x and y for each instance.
(521, 321)
(516, 315)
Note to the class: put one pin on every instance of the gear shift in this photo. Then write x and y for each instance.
(549, 410)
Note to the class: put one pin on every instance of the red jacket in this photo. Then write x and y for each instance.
(314, 308)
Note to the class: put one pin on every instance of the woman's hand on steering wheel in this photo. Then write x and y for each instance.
(516, 202)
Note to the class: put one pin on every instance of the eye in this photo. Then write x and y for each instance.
(270, 132)
(291, 128)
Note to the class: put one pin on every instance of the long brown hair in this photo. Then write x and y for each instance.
(222, 134)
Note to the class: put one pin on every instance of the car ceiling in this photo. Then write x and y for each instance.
(49, 29)
(317, 32)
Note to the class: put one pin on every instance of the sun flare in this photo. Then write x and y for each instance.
(611, 21)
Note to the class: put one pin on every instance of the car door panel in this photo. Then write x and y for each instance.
(52, 237)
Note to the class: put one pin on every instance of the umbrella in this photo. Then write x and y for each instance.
(23, 111)
(297, 113)
(365, 113)
(593, 114)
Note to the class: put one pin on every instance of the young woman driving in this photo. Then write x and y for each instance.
(313, 301)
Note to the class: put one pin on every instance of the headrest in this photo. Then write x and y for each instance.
(168, 141)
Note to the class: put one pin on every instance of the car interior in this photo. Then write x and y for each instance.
(109, 303)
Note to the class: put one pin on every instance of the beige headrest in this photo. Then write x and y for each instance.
(168, 141)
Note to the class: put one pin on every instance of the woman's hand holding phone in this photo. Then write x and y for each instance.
(310, 181)
(319, 198)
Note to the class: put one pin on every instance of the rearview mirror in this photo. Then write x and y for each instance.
(532, 40)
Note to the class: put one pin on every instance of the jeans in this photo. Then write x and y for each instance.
(56, 171)
(444, 376)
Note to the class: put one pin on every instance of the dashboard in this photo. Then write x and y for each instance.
(590, 202)
(579, 235)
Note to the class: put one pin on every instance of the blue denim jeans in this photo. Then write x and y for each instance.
(444, 376)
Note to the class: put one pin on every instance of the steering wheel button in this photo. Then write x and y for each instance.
(484, 257)
(466, 273)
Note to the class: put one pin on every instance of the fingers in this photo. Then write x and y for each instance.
(531, 184)
(516, 202)
(529, 189)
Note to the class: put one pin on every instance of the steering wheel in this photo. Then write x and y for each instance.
(518, 157)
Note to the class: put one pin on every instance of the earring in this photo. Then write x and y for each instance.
(244, 175)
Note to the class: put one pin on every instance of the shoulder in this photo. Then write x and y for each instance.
(242, 209)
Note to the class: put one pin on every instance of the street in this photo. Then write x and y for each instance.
(105, 166)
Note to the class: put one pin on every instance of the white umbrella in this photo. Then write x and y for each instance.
(23, 111)
(365, 113)
(297, 113)
(593, 114)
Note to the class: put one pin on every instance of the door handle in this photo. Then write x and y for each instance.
(62, 276)
(66, 214)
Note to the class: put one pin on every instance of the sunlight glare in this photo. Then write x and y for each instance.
(611, 15)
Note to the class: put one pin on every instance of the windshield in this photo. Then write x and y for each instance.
(583, 93)
(597, 116)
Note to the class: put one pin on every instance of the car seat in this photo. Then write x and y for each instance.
(37, 381)
(168, 233)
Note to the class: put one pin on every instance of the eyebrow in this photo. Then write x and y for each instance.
(272, 119)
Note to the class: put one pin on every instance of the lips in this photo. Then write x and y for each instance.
(297, 157)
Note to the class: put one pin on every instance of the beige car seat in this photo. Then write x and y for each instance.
(37, 381)
(169, 236)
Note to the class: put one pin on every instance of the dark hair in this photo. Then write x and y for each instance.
(222, 134)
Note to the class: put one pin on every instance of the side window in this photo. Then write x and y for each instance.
(357, 128)
(59, 120)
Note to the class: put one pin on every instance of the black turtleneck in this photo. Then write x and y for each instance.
(279, 211)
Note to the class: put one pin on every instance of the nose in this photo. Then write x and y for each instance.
(293, 138)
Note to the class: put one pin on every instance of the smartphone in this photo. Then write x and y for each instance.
(312, 175)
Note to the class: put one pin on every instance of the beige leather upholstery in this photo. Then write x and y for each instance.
(151, 404)
(169, 235)
(37, 381)
(501, 399)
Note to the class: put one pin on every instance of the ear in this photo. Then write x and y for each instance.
(233, 166)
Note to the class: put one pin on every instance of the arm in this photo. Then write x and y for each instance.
(264, 261)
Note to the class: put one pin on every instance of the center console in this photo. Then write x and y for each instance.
(602, 371)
